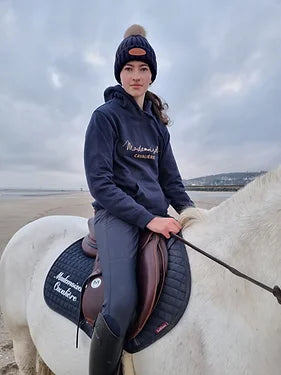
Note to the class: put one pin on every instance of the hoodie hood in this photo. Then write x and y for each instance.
(117, 92)
(112, 92)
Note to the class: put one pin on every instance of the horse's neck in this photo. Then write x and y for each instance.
(245, 229)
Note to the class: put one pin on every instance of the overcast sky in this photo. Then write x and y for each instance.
(218, 68)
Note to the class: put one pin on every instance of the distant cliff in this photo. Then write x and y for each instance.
(222, 180)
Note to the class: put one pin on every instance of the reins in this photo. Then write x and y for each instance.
(276, 291)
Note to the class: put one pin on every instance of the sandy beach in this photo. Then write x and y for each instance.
(17, 211)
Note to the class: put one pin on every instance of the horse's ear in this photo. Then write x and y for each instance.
(191, 215)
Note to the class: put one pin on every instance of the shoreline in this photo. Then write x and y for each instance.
(222, 188)
(20, 193)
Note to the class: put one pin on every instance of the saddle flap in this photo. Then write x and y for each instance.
(163, 265)
(89, 246)
(152, 268)
(94, 294)
(89, 243)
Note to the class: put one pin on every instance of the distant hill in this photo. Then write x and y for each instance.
(223, 179)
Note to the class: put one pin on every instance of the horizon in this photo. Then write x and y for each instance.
(86, 189)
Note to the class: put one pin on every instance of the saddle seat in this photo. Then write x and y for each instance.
(151, 270)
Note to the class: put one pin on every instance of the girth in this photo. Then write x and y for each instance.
(152, 266)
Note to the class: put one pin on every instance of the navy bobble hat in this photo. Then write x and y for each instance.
(135, 47)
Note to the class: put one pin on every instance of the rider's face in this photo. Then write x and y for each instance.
(135, 78)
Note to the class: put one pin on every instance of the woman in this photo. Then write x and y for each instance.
(133, 176)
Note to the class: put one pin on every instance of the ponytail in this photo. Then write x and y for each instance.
(159, 108)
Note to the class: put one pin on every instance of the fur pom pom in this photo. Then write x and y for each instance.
(135, 30)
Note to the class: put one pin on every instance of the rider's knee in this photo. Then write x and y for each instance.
(123, 309)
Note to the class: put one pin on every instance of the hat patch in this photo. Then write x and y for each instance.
(137, 52)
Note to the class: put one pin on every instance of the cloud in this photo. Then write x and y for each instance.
(228, 84)
(56, 79)
(94, 58)
(218, 69)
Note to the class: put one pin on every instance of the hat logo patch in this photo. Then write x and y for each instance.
(137, 52)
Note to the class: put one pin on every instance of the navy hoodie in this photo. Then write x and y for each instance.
(129, 163)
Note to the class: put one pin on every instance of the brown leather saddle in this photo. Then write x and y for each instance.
(151, 271)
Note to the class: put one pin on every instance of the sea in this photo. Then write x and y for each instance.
(16, 193)
(194, 195)
(197, 195)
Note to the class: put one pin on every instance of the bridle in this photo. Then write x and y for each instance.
(276, 291)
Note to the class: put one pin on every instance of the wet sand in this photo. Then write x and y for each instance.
(17, 211)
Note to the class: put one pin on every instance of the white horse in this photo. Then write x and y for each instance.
(229, 327)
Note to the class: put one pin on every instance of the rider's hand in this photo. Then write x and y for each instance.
(164, 225)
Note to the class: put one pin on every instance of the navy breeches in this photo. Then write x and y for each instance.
(117, 243)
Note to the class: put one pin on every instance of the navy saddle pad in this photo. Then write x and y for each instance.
(63, 285)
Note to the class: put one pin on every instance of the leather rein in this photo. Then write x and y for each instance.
(276, 291)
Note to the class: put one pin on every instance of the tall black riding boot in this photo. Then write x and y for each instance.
(105, 349)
